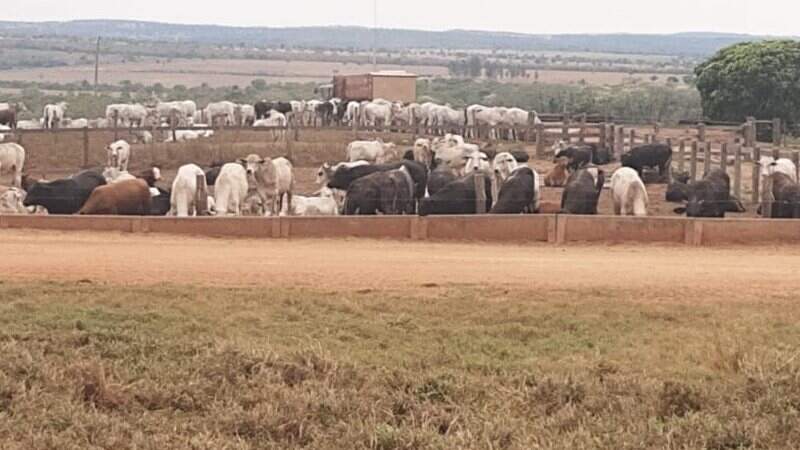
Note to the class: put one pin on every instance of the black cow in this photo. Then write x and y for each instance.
(649, 155)
(8, 117)
(325, 112)
(458, 197)
(787, 197)
(678, 190)
(66, 196)
(439, 178)
(521, 156)
(711, 197)
(343, 177)
(579, 156)
(263, 108)
(160, 204)
(602, 156)
(389, 193)
(582, 191)
(518, 193)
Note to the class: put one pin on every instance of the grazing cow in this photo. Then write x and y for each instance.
(440, 177)
(457, 197)
(119, 154)
(770, 165)
(183, 111)
(230, 189)
(11, 200)
(649, 155)
(246, 115)
(184, 191)
(582, 191)
(344, 176)
(126, 115)
(326, 170)
(65, 196)
(678, 190)
(423, 153)
(557, 177)
(445, 118)
(375, 113)
(711, 197)
(324, 204)
(12, 158)
(376, 151)
(391, 192)
(126, 198)
(629, 193)
(579, 155)
(519, 191)
(223, 112)
(785, 196)
(272, 179)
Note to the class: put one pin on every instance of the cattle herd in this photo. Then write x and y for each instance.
(444, 175)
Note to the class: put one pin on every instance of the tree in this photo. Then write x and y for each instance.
(760, 79)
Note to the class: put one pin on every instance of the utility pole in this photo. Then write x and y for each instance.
(375, 36)
(96, 65)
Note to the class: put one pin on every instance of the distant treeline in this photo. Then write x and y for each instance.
(695, 44)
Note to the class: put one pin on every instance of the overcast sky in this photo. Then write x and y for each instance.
(772, 17)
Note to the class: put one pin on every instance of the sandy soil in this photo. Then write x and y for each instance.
(354, 264)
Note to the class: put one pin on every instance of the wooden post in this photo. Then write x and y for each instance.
(723, 157)
(707, 158)
(737, 172)
(693, 161)
(619, 143)
(682, 156)
(480, 192)
(565, 130)
(289, 151)
(611, 138)
(777, 132)
(582, 129)
(796, 161)
(671, 154)
(603, 141)
(656, 130)
(201, 199)
(632, 140)
(756, 175)
(540, 150)
(701, 132)
(776, 153)
(116, 124)
(767, 198)
(750, 132)
(85, 147)
(355, 128)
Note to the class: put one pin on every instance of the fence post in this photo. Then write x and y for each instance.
(565, 130)
(201, 196)
(767, 198)
(750, 132)
(671, 154)
(682, 156)
(632, 140)
(701, 132)
(480, 192)
(619, 143)
(693, 162)
(116, 125)
(603, 141)
(611, 137)
(707, 158)
(777, 132)
(756, 175)
(796, 161)
(540, 150)
(85, 147)
(355, 128)
(776, 153)
(656, 130)
(737, 172)
(723, 157)
(582, 129)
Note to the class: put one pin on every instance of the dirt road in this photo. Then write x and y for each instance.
(370, 264)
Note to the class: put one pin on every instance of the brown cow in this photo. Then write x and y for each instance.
(557, 177)
(127, 198)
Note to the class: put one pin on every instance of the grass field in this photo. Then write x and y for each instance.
(106, 352)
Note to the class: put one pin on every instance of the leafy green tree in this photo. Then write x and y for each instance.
(760, 79)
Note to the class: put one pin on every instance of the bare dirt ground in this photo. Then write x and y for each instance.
(371, 264)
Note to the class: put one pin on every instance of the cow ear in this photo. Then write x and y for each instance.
(241, 161)
(680, 210)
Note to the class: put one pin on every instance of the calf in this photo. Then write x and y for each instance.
(711, 197)
(650, 155)
(66, 196)
(557, 177)
(127, 198)
(582, 191)
(629, 193)
(458, 197)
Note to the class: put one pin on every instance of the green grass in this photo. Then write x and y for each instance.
(103, 366)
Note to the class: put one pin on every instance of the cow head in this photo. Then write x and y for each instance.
(324, 174)
(11, 201)
(260, 171)
(504, 163)
(701, 201)
(477, 162)
(558, 147)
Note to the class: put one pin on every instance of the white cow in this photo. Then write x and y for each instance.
(12, 159)
(310, 112)
(53, 114)
(445, 118)
(221, 112)
(127, 115)
(33, 124)
(326, 170)
(76, 123)
(183, 110)
(423, 152)
(374, 151)
(298, 110)
(142, 136)
(184, 191)
(274, 120)
(230, 190)
(519, 118)
(477, 162)
(272, 180)
(352, 113)
(11, 201)
(322, 205)
(374, 113)
(246, 114)
(114, 175)
(119, 154)
(770, 165)
(629, 193)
